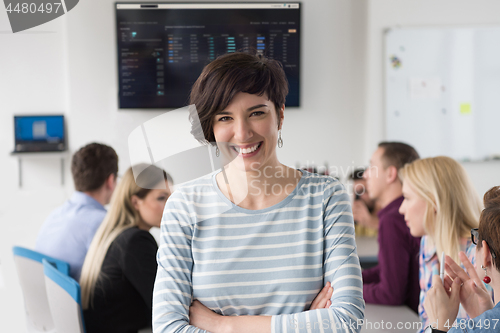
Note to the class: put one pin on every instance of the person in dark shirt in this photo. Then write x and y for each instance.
(120, 268)
(394, 281)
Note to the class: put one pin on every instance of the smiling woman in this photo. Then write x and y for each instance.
(248, 127)
(253, 246)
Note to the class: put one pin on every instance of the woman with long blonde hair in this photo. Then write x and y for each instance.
(441, 206)
(120, 267)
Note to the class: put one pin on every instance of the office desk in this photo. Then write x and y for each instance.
(390, 319)
(367, 248)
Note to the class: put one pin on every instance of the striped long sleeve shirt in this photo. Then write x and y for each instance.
(272, 261)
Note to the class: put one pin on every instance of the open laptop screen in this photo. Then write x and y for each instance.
(39, 133)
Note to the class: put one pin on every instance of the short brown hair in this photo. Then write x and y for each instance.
(397, 154)
(228, 75)
(489, 223)
(92, 165)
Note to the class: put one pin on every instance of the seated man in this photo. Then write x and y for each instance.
(394, 281)
(68, 231)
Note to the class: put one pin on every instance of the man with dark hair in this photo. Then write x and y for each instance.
(394, 281)
(68, 231)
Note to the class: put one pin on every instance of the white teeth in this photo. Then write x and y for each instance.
(249, 150)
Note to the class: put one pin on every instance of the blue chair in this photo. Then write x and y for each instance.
(30, 272)
(65, 303)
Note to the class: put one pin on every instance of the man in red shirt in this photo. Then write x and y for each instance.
(394, 281)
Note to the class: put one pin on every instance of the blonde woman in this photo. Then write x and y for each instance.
(441, 206)
(120, 267)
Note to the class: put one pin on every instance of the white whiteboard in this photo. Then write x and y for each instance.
(442, 90)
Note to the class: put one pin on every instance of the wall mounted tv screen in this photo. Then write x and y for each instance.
(163, 47)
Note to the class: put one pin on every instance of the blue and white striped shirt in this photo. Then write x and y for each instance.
(272, 261)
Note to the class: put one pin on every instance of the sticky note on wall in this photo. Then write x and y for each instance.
(465, 108)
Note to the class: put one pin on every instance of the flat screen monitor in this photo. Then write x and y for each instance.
(39, 133)
(163, 47)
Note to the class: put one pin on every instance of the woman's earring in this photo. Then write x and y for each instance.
(280, 140)
(217, 151)
(486, 278)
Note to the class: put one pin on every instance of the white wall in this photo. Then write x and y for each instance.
(32, 80)
(383, 14)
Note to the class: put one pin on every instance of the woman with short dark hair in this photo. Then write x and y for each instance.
(249, 247)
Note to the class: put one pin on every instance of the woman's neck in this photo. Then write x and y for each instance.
(494, 274)
(258, 189)
(143, 225)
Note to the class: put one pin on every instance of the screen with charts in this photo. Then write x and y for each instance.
(162, 48)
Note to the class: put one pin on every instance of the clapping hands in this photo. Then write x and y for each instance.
(474, 296)
(441, 303)
(460, 287)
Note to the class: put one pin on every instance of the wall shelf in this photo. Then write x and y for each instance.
(42, 154)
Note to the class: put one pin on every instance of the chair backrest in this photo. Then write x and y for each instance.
(30, 271)
(63, 293)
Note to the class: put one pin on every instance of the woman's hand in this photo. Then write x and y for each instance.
(322, 300)
(474, 296)
(441, 307)
(205, 319)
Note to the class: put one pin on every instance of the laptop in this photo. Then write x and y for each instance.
(43, 133)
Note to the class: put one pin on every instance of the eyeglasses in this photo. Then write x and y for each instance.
(474, 235)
